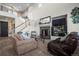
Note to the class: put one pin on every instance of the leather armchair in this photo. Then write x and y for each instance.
(65, 47)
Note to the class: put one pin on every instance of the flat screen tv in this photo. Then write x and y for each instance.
(59, 27)
(61, 21)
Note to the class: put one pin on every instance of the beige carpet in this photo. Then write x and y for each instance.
(6, 49)
(40, 51)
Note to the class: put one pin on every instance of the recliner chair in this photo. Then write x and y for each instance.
(65, 47)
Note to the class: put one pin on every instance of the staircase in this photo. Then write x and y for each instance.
(20, 28)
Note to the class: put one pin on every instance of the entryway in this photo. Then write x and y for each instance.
(3, 29)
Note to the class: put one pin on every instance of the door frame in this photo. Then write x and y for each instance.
(1, 29)
(45, 28)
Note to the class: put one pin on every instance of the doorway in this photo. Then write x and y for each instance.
(45, 32)
(3, 29)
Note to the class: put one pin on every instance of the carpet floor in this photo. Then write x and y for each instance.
(7, 50)
(40, 51)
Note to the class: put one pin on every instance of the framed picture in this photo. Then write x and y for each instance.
(45, 20)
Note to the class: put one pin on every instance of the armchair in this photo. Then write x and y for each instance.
(65, 47)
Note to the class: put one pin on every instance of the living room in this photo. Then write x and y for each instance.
(33, 27)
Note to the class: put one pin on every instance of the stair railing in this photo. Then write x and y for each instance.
(18, 27)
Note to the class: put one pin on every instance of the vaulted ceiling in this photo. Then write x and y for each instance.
(20, 7)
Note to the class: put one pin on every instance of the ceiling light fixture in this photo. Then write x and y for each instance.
(39, 5)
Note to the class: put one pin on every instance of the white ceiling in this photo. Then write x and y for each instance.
(20, 6)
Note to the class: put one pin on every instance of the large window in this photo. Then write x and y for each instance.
(59, 26)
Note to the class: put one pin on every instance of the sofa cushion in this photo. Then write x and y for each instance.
(14, 38)
(19, 37)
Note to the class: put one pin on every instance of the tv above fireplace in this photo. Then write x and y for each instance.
(59, 22)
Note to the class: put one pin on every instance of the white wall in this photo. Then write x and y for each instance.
(18, 21)
(72, 27)
(35, 13)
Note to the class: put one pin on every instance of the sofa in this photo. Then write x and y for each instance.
(21, 45)
(64, 47)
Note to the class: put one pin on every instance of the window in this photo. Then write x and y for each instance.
(2, 8)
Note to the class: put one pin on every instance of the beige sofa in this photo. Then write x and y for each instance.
(22, 46)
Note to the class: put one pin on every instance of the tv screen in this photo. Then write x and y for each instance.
(61, 21)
